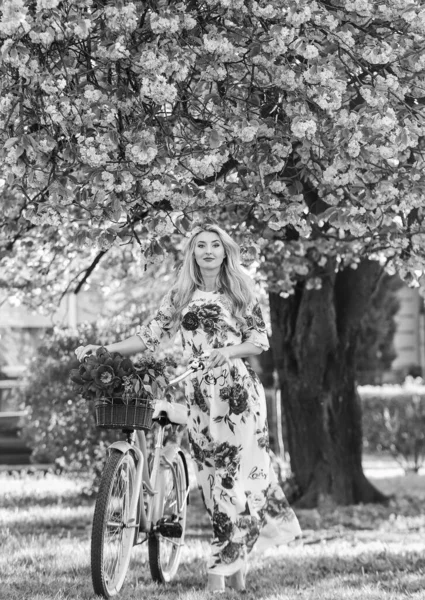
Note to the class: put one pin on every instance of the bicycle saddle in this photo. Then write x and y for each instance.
(176, 413)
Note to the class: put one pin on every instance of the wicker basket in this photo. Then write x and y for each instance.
(113, 413)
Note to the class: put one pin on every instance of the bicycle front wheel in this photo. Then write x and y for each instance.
(112, 537)
(167, 539)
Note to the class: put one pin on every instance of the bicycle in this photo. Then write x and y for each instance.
(141, 501)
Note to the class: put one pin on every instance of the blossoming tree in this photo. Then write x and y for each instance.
(299, 124)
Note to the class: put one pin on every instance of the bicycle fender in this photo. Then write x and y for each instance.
(170, 451)
(186, 470)
(121, 446)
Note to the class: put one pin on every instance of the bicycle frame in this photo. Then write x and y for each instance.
(138, 519)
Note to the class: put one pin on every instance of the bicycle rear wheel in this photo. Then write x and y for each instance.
(112, 540)
(167, 538)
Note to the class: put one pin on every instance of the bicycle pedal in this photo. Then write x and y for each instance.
(167, 528)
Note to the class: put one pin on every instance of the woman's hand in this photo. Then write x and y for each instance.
(218, 357)
(83, 351)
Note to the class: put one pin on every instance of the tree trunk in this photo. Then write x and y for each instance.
(314, 336)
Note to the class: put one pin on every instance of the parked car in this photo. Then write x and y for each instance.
(13, 450)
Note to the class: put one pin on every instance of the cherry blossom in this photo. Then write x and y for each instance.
(299, 123)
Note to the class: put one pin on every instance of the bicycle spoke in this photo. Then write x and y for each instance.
(171, 541)
(111, 549)
(119, 509)
(165, 551)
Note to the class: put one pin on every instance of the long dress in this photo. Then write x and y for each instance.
(228, 431)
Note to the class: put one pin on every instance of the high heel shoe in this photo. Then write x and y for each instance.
(237, 581)
(215, 583)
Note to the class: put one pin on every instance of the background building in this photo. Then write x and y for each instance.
(409, 340)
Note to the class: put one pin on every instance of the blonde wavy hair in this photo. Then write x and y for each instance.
(232, 281)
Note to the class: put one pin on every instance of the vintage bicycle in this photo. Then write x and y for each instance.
(140, 499)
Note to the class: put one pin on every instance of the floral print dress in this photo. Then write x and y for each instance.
(228, 431)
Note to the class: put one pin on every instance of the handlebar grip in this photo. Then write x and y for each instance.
(197, 363)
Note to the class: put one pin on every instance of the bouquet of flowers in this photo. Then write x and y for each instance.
(108, 375)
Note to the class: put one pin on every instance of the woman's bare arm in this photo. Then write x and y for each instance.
(127, 347)
(220, 356)
(131, 345)
(243, 350)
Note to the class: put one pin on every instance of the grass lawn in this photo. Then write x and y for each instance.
(359, 553)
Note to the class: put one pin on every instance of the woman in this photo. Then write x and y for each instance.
(213, 305)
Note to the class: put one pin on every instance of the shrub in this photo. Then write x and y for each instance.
(60, 426)
(394, 421)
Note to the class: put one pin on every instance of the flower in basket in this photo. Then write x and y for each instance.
(100, 375)
(152, 375)
(109, 375)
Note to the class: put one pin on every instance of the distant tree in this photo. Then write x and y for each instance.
(376, 351)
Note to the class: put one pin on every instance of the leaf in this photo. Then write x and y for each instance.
(276, 30)
(187, 190)
(169, 179)
(299, 46)
(213, 97)
(10, 142)
(116, 209)
(113, 136)
(330, 213)
(185, 224)
(82, 24)
(26, 141)
(81, 239)
(215, 140)
(255, 98)
(254, 49)
(275, 226)
(161, 381)
(156, 248)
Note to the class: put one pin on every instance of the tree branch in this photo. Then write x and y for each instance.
(226, 168)
(90, 270)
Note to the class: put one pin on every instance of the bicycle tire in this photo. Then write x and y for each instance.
(165, 552)
(111, 540)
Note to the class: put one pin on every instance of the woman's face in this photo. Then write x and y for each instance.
(209, 251)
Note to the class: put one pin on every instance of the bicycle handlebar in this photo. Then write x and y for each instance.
(163, 407)
(194, 365)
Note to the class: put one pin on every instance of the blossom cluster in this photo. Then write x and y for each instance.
(125, 122)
